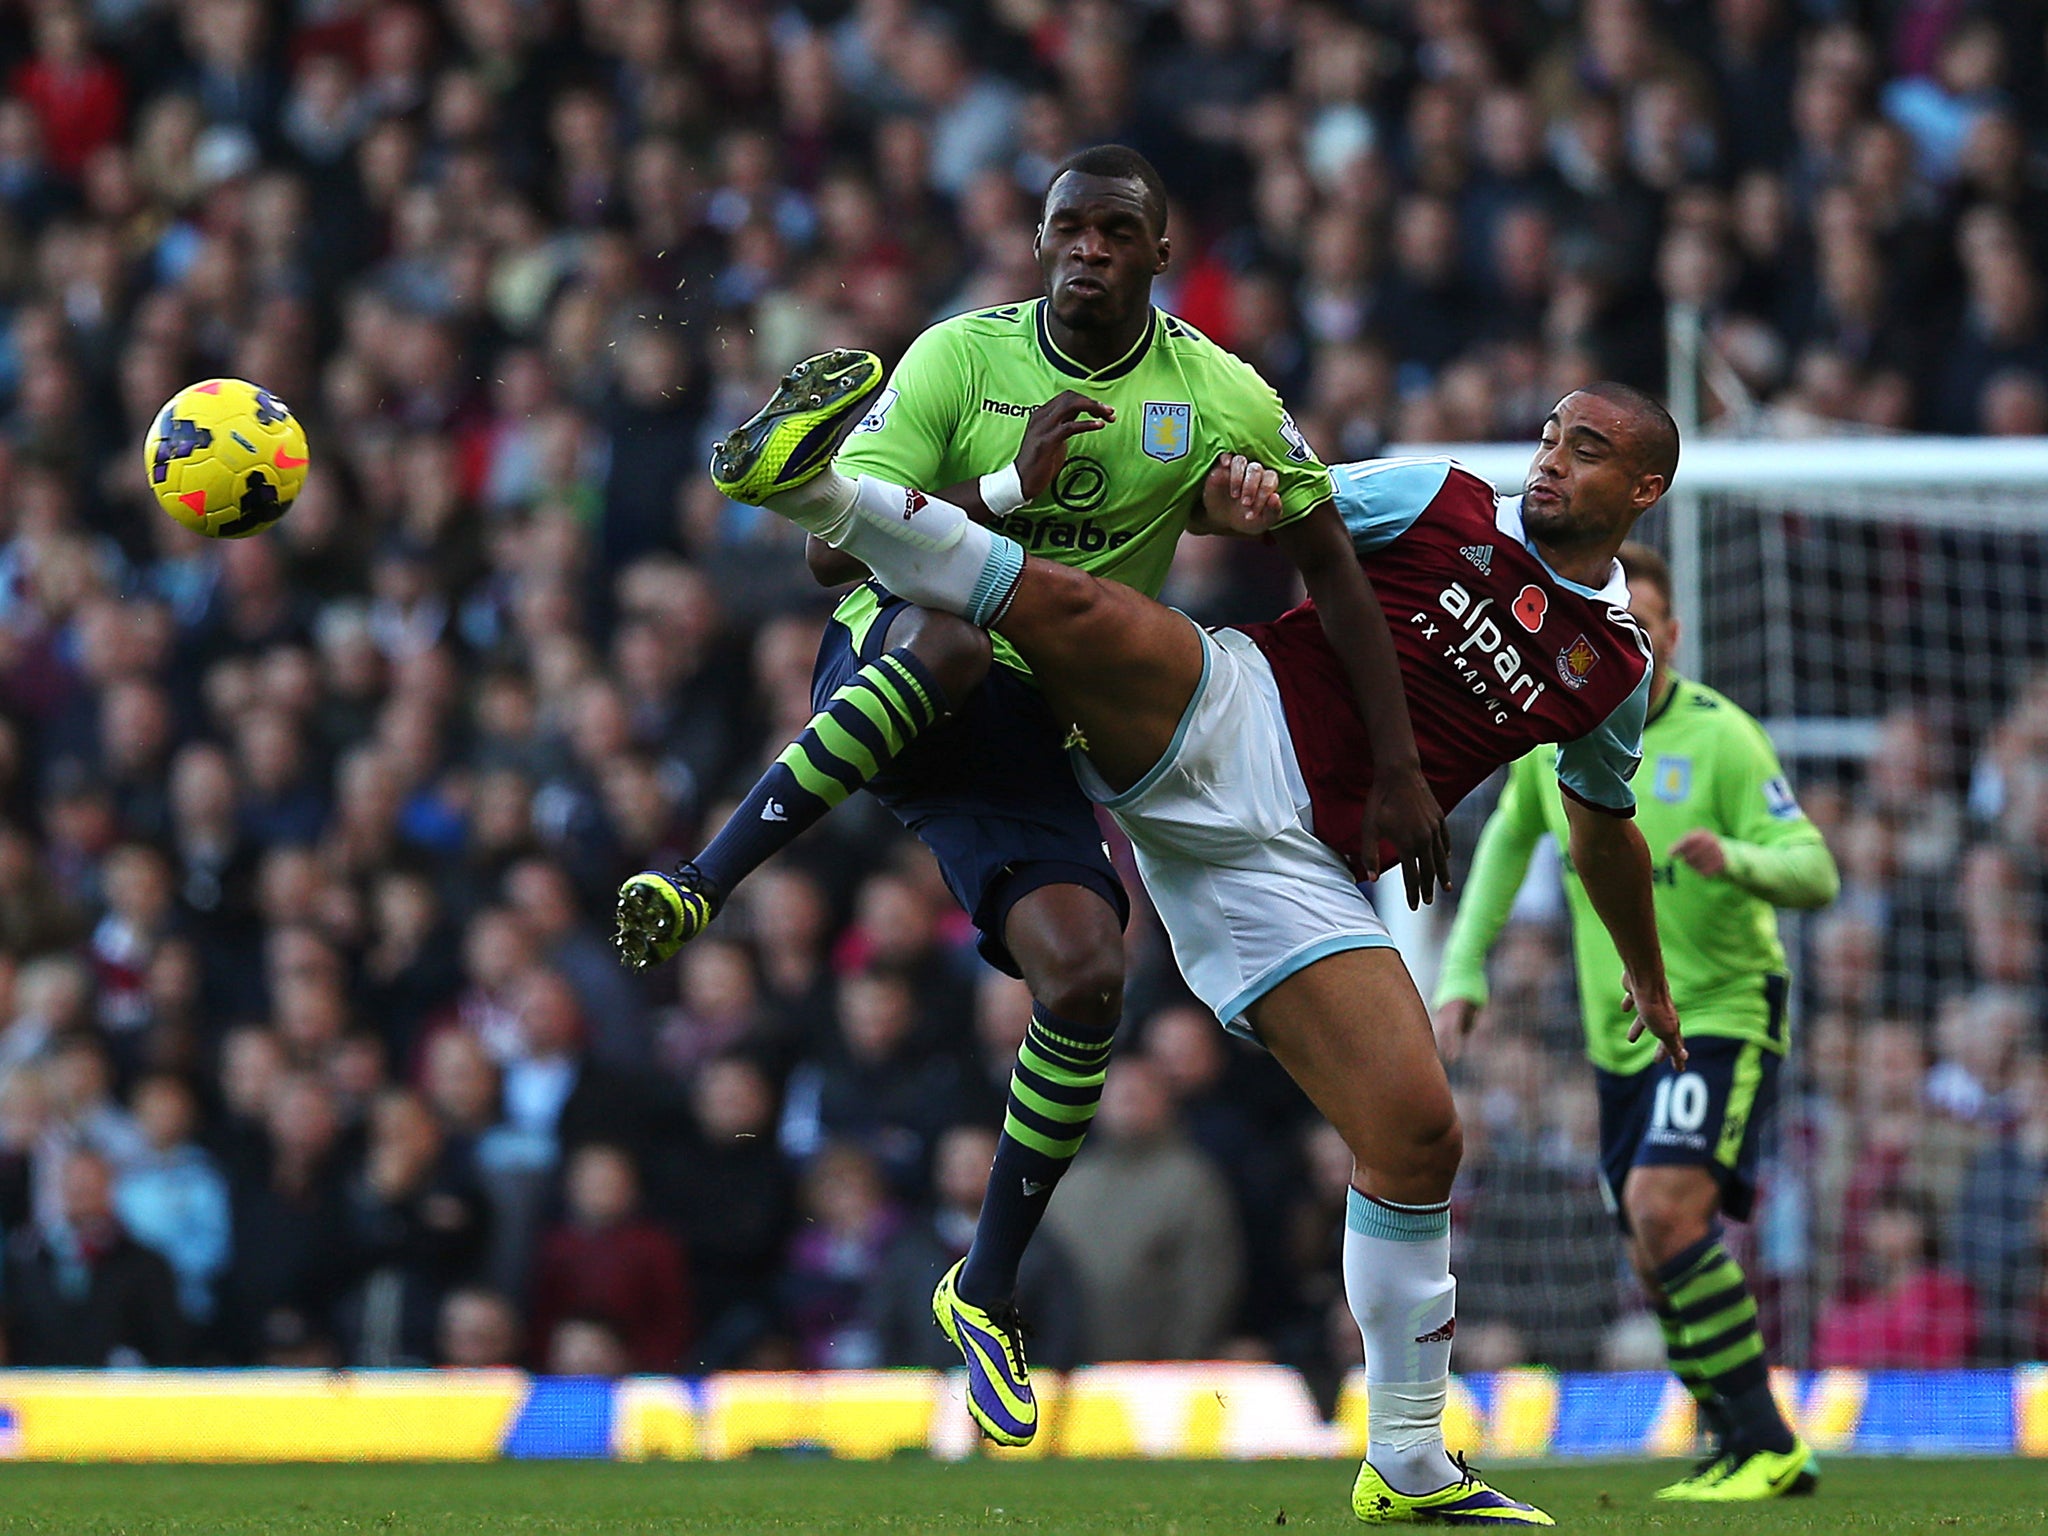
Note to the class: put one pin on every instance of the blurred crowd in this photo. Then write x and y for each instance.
(314, 1051)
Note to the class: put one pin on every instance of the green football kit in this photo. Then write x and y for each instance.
(955, 410)
(1707, 764)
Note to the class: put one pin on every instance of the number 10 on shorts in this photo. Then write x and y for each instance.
(1679, 1110)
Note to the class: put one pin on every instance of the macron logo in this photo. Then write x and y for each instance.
(773, 811)
(1480, 555)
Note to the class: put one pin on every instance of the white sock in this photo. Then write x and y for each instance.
(925, 550)
(1397, 1277)
(819, 506)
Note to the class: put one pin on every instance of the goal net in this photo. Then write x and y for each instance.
(1881, 605)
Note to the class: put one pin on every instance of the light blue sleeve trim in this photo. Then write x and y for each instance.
(1380, 499)
(1395, 1223)
(1232, 1012)
(1598, 766)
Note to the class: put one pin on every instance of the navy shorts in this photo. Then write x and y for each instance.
(989, 791)
(1711, 1115)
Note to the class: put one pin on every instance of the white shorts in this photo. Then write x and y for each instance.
(1222, 831)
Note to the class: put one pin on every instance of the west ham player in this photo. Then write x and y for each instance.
(1142, 406)
(1238, 763)
(1677, 1149)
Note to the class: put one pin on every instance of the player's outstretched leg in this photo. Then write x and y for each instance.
(1352, 1031)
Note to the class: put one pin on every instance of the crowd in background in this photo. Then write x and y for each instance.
(314, 1050)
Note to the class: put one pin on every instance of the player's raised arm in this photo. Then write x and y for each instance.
(1401, 809)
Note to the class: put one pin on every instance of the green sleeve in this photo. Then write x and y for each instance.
(1246, 417)
(907, 432)
(1499, 865)
(1800, 874)
(1773, 851)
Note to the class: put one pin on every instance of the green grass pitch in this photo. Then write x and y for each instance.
(923, 1498)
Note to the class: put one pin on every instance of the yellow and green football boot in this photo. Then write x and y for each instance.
(999, 1395)
(1707, 1470)
(1468, 1501)
(795, 434)
(658, 914)
(1752, 1476)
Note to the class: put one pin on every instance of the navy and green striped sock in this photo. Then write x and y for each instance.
(1687, 1371)
(1054, 1089)
(864, 727)
(1719, 1344)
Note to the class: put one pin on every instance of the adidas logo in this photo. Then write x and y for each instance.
(1480, 555)
(773, 811)
(1032, 1188)
(1441, 1335)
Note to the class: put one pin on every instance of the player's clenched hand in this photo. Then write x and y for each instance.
(1703, 851)
(1240, 496)
(1044, 449)
(1658, 1015)
(1452, 1023)
(1402, 810)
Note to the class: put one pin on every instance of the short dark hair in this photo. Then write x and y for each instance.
(1118, 162)
(1656, 434)
(1639, 562)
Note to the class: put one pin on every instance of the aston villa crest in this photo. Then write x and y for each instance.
(1168, 430)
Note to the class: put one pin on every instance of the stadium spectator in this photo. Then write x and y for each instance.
(83, 1115)
(880, 1088)
(898, 1304)
(409, 970)
(412, 1228)
(286, 1247)
(732, 1201)
(836, 1258)
(1148, 1221)
(479, 1330)
(1914, 1314)
(1992, 1229)
(587, 1346)
(172, 1198)
(1196, 1060)
(557, 1096)
(609, 1262)
(80, 1291)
